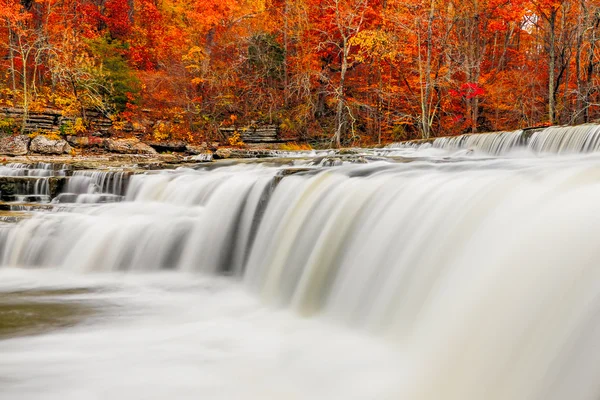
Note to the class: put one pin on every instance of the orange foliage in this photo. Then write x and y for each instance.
(451, 66)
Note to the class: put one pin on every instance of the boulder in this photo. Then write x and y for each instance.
(195, 149)
(14, 145)
(128, 146)
(43, 145)
(85, 141)
(222, 154)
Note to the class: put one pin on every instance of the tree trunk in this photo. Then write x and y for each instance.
(551, 66)
(340, 116)
(426, 76)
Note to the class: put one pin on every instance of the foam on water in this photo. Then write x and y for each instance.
(466, 278)
(187, 337)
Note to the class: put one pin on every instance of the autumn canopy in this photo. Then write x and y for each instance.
(344, 71)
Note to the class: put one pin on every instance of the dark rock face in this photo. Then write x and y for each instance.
(128, 146)
(176, 146)
(14, 145)
(12, 186)
(43, 145)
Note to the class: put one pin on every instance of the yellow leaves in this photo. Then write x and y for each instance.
(236, 140)
(76, 127)
(47, 134)
(79, 126)
(372, 45)
(194, 60)
(194, 55)
(293, 146)
(161, 131)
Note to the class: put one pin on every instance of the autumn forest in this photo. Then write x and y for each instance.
(346, 72)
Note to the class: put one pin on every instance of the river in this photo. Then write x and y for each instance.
(415, 273)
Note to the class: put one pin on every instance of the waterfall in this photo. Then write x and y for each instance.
(481, 274)
(87, 186)
(551, 140)
(34, 170)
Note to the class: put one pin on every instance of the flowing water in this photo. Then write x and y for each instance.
(408, 273)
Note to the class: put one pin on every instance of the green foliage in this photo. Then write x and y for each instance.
(121, 86)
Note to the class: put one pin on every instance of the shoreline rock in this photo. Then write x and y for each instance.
(128, 146)
(14, 145)
(43, 145)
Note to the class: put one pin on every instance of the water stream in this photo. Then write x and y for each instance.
(445, 276)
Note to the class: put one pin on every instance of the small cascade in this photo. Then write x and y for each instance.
(35, 182)
(571, 139)
(203, 157)
(495, 144)
(34, 170)
(41, 190)
(14, 169)
(551, 140)
(95, 187)
(210, 225)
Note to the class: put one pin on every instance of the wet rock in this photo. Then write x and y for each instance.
(43, 145)
(14, 145)
(348, 151)
(12, 187)
(222, 154)
(197, 149)
(202, 157)
(170, 158)
(330, 162)
(128, 146)
(249, 153)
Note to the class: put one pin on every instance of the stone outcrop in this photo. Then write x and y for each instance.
(14, 145)
(13, 186)
(128, 146)
(85, 142)
(222, 154)
(256, 133)
(43, 145)
(52, 120)
(194, 149)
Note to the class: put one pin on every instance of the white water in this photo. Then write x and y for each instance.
(551, 140)
(472, 279)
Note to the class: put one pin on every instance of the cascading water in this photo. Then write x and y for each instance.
(96, 186)
(551, 140)
(423, 280)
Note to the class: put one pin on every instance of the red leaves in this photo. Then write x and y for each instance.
(117, 16)
(468, 91)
